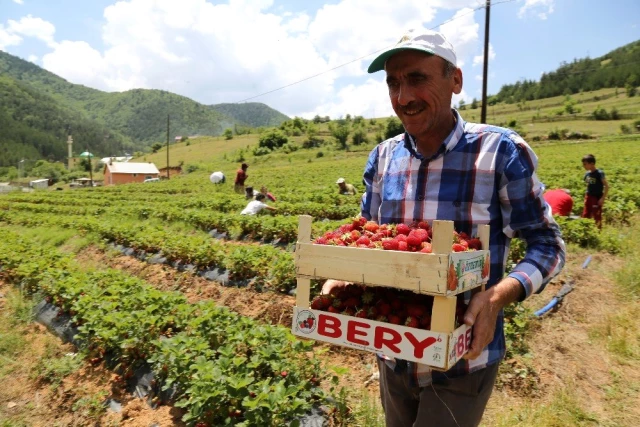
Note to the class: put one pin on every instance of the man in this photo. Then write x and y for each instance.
(264, 190)
(560, 201)
(241, 177)
(597, 190)
(446, 169)
(344, 188)
(217, 177)
(255, 206)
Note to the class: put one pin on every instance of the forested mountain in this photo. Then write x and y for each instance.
(253, 114)
(34, 126)
(618, 68)
(43, 102)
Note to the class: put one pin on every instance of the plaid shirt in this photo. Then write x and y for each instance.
(480, 175)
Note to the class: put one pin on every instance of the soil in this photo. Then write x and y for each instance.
(561, 344)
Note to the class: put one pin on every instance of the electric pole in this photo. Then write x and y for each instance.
(90, 167)
(167, 146)
(483, 111)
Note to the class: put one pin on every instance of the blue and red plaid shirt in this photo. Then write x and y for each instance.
(480, 175)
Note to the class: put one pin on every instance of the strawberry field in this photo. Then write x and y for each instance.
(217, 366)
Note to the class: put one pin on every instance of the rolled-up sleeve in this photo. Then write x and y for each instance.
(526, 216)
(370, 204)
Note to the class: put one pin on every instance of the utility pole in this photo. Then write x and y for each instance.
(90, 167)
(483, 111)
(167, 146)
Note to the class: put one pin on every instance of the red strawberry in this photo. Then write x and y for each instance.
(372, 313)
(416, 310)
(346, 228)
(423, 235)
(402, 229)
(464, 243)
(376, 237)
(362, 220)
(475, 243)
(396, 304)
(371, 226)
(351, 302)
(394, 319)
(401, 238)
(412, 322)
(354, 290)
(321, 241)
(413, 241)
(463, 236)
(424, 225)
(425, 322)
(381, 318)
(321, 302)
(355, 235)
(402, 246)
(364, 240)
(349, 311)
(390, 245)
(337, 303)
(426, 248)
(332, 309)
(384, 309)
(361, 314)
(457, 247)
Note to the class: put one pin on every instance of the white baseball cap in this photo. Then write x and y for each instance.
(427, 41)
(340, 181)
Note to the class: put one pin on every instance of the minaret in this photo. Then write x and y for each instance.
(70, 160)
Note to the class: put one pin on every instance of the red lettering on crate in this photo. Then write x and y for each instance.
(419, 346)
(380, 340)
(329, 326)
(352, 331)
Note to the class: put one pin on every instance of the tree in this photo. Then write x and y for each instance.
(359, 136)
(461, 105)
(630, 85)
(156, 147)
(228, 134)
(394, 127)
(273, 139)
(341, 134)
(474, 104)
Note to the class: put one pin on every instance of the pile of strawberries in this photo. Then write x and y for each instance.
(389, 305)
(392, 237)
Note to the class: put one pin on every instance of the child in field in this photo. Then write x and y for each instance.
(597, 190)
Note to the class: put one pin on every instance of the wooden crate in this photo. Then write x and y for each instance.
(442, 274)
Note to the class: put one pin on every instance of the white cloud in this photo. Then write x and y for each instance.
(229, 52)
(18, 1)
(33, 58)
(479, 59)
(542, 8)
(38, 28)
(8, 38)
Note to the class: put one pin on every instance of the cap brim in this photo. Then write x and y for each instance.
(378, 63)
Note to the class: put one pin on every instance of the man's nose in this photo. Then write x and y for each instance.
(405, 94)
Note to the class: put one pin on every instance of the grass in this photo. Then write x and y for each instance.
(368, 411)
(564, 409)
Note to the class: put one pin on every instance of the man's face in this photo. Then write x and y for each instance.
(420, 94)
(587, 165)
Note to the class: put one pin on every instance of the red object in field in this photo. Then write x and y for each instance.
(559, 201)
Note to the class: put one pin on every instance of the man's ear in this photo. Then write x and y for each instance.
(457, 81)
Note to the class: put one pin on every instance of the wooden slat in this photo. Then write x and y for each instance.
(303, 292)
(483, 234)
(443, 314)
(419, 272)
(442, 238)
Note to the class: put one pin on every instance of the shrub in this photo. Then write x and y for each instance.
(625, 129)
(319, 154)
(600, 114)
(394, 127)
(273, 139)
(359, 136)
(190, 168)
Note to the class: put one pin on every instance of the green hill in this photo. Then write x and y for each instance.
(253, 114)
(138, 115)
(618, 68)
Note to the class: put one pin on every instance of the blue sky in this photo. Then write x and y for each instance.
(228, 51)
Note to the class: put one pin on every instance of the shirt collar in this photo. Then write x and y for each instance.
(447, 145)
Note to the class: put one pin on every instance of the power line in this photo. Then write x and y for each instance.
(365, 56)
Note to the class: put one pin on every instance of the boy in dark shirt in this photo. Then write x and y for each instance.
(597, 189)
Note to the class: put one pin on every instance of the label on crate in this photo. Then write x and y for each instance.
(416, 345)
(467, 270)
(459, 342)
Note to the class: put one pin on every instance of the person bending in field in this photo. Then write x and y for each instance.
(560, 201)
(344, 188)
(256, 206)
(597, 190)
(444, 168)
(267, 194)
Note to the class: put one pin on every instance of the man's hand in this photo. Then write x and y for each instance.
(601, 202)
(483, 311)
(330, 284)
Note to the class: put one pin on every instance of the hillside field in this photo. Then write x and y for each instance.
(123, 261)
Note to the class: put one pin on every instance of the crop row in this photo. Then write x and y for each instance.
(225, 369)
(283, 228)
(268, 266)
